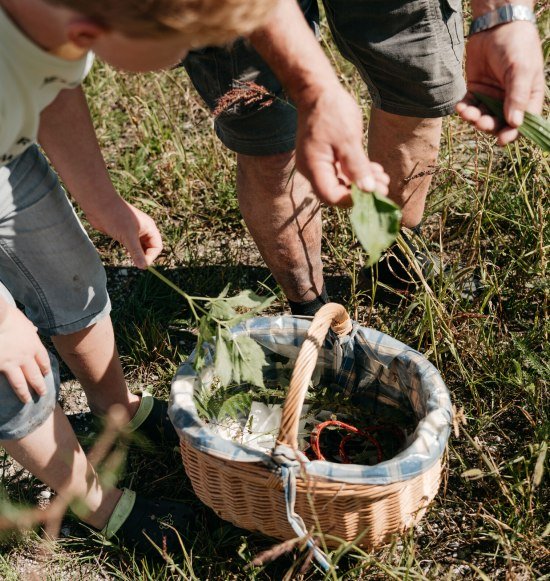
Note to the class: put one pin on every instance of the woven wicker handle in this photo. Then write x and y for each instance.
(330, 315)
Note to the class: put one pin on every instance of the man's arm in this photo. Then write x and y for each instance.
(329, 149)
(68, 138)
(504, 62)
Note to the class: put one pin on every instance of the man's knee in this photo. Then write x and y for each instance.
(276, 167)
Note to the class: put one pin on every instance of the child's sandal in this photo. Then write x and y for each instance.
(149, 527)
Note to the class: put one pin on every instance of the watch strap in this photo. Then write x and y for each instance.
(502, 15)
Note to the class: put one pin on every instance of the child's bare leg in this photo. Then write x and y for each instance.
(92, 356)
(53, 454)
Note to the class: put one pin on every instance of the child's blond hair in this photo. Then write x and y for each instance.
(205, 22)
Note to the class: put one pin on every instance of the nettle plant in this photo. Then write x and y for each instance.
(375, 220)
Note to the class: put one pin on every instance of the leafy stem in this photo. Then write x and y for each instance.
(239, 358)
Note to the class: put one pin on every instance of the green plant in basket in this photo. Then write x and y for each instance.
(238, 359)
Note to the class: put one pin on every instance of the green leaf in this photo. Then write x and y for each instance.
(473, 474)
(236, 364)
(539, 466)
(221, 310)
(534, 127)
(224, 292)
(206, 335)
(375, 220)
(223, 367)
(250, 358)
(249, 300)
(246, 299)
(234, 406)
(206, 329)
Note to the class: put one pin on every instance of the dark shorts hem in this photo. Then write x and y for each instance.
(30, 427)
(408, 53)
(421, 112)
(257, 149)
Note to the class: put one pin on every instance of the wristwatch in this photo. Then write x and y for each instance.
(502, 15)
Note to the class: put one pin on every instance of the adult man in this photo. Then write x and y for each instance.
(410, 55)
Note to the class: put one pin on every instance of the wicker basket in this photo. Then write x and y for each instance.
(251, 494)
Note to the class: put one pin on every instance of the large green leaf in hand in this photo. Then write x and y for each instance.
(375, 220)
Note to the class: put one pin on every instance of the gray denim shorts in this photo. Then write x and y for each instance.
(16, 418)
(47, 261)
(50, 267)
(409, 53)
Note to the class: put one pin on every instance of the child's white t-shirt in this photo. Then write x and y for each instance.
(30, 79)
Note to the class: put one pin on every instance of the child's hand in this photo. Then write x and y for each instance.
(134, 229)
(23, 359)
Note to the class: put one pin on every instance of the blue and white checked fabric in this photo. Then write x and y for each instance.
(365, 363)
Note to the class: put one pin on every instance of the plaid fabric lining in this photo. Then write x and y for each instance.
(366, 362)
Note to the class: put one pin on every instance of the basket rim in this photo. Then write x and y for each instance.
(422, 453)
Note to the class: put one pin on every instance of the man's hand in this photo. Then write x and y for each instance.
(134, 229)
(506, 63)
(329, 147)
(23, 359)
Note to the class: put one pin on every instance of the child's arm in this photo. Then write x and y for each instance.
(68, 138)
(23, 359)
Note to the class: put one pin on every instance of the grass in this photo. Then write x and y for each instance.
(488, 209)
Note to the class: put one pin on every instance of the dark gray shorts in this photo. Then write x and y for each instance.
(409, 53)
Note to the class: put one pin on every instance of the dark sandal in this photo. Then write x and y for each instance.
(149, 527)
(152, 423)
(150, 428)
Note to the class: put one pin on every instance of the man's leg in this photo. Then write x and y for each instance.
(278, 207)
(284, 219)
(412, 65)
(407, 148)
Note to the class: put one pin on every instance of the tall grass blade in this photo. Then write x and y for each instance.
(534, 127)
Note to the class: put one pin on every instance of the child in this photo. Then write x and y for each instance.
(47, 262)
